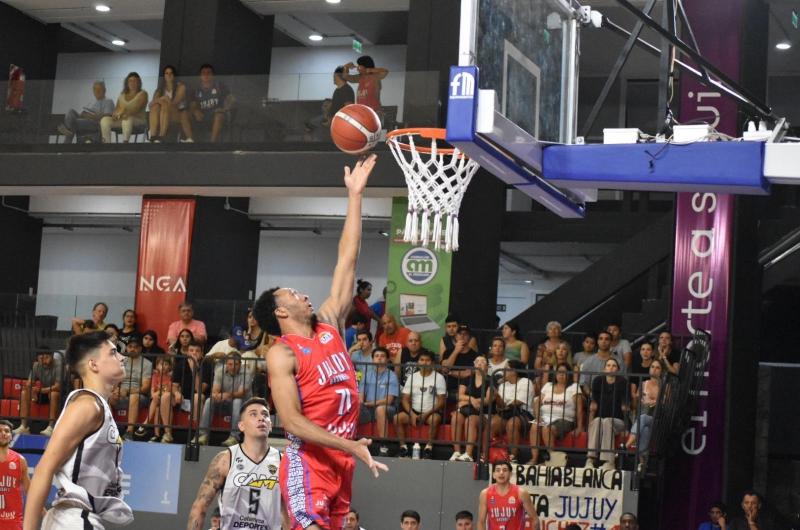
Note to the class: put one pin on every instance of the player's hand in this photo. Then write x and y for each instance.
(356, 179)
(361, 451)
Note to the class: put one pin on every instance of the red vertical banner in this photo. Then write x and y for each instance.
(164, 250)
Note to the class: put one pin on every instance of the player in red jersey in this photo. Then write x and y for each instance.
(14, 481)
(313, 383)
(503, 506)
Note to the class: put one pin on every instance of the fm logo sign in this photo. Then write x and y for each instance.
(462, 86)
(419, 266)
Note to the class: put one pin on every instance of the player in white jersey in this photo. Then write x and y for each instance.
(246, 477)
(84, 453)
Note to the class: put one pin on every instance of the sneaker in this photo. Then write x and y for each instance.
(167, 439)
(203, 440)
(231, 441)
(141, 432)
(187, 141)
(427, 453)
(403, 453)
(383, 451)
(22, 429)
(455, 456)
(48, 431)
(608, 465)
(153, 439)
(589, 463)
(465, 458)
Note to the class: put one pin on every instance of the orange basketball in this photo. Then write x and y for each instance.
(355, 128)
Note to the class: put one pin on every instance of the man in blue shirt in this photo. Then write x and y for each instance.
(361, 353)
(378, 391)
(717, 515)
(86, 124)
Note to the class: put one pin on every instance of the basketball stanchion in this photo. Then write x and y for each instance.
(437, 178)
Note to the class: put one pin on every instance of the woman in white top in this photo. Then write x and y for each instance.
(560, 410)
(514, 402)
(497, 359)
(168, 102)
(129, 112)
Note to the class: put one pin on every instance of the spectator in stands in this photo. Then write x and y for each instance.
(589, 345)
(228, 390)
(150, 343)
(128, 326)
(560, 411)
(640, 368)
(195, 378)
(113, 334)
(317, 129)
(379, 307)
(165, 394)
(378, 392)
(515, 398)
(422, 402)
(619, 346)
(357, 325)
(247, 339)
(448, 340)
(410, 520)
(134, 391)
(86, 124)
(458, 365)
(628, 521)
(717, 515)
(394, 337)
(181, 346)
(361, 353)
(187, 321)
(667, 351)
(410, 356)
(369, 82)
(464, 520)
(351, 520)
(516, 348)
(129, 112)
(99, 312)
(646, 400)
(169, 100)
(754, 517)
(216, 519)
(342, 95)
(563, 355)
(474, 395)
(553, 330)
(360, 305)
(595, 364)
(211, 104)
(607, 412)
(43, 387)
(497, 360)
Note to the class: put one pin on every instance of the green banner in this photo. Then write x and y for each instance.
(418, 286)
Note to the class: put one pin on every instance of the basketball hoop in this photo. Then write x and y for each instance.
(436, 184)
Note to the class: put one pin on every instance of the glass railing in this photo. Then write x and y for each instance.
(280, 108)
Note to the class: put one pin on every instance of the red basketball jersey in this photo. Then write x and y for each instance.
(11, 491)
(504, 512)
(326, 380)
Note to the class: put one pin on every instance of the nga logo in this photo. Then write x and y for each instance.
(419, 266)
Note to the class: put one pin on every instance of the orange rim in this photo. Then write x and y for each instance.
(431, 133)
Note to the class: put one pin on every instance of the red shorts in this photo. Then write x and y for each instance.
(316, 485)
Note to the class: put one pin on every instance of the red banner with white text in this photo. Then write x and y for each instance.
(164, 249)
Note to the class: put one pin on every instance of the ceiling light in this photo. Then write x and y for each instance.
(785, 45)
(102, 8)
(316, 37)
(528, 281)
(118, 42)
(334, 1)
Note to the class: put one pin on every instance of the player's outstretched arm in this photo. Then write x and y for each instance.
(280, 367)
(212, 483)
(335, 308)
(80, 419)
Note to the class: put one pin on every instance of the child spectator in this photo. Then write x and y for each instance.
(43, 387)
(164, 394)
(129, 112)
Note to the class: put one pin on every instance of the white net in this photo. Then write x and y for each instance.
(436, 184)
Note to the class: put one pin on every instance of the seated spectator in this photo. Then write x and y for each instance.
(753, 516)
(410, 520)
(620, 347)
(378, 391)
(409, 357)
(342, 95)
(589, 345)
(150, 343)
(43, 387)
(211, 104)
(516, 348)
(563, 356)
(640, 368)
(169, 100)
(559, 412)
(667, 351)
(113, 334)
(195, 378)
(458, 364)
(128, 327)
(553, 330)
(448, 340)
(515, 397)
(361, 353)
(646, 399)
(422, 402)
(247, 339)
(134, 391)
(497, 360)
(181, 346)
(228, 391)
(129, 112)
(393, 337)
(474, 395)
(717, 515)
(594, 365)
(317, 129)
(164, 395)
(628, 521)
(86, 123)
(464, 520)
(369, 82)
(187, 321)
(99, 312)
(607, 412)
(357, 325)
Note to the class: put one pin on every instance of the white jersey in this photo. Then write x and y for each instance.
(251, 497)
(90, 478)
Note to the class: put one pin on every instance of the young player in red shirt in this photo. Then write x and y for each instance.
(503, 506)
(13, 480)
(313, 383)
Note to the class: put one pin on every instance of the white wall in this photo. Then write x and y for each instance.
(75, 73)
(305, 262)
(85, 266)
(519, 296)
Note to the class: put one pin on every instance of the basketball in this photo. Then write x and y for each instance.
(355, 128)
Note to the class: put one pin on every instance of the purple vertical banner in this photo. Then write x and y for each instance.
(701, 279)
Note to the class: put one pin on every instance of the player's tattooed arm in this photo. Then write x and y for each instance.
(212, 483)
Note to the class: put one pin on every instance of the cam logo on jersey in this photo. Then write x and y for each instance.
(253, 480)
